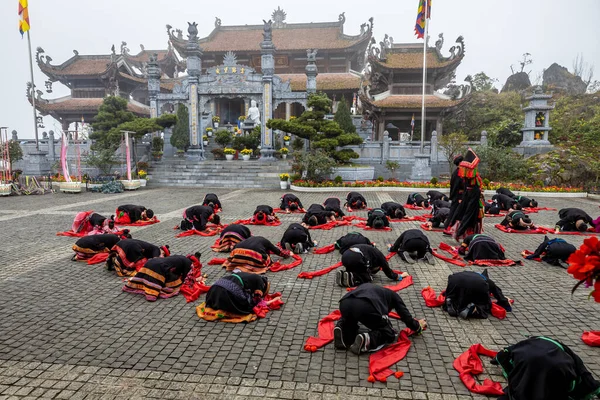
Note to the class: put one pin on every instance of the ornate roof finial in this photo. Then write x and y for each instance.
(192, 31)
(217, 22)
(278, 18)
(124, 49)
(229, 59)
(342, 18)
(75, 52)
(268, 31)
(311, 55)
(142, 47)
(113, 51)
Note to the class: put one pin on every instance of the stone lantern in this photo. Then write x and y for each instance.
(537, 124)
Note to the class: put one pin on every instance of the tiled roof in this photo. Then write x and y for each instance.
(144, 56)
(70, 104)
(326, 81)
(414, 60)
(89, 65)
(406, 101)
(292, 37)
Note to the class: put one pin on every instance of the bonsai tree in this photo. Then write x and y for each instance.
(323, 134)
(112, 113)
(181, 132)
(343, 117)
(223, 137)
(157, 146)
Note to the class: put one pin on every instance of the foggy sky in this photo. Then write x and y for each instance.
(496, 32)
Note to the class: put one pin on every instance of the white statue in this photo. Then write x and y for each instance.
(253, 113)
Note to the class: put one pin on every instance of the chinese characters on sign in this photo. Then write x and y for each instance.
(194, 113)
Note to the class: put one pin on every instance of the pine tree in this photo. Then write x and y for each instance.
(322, 134)
(112, 113)
(181, 132)
(344, 118)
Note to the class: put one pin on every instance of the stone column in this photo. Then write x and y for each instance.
(434, 147)
(483, 140)
(268, 70)
(194, 69)
(288, 111)
(439, 126)
(51, 150)
(311, 71)
(385, 152)
(14, 135)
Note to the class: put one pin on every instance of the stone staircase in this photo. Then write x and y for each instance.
(217, 174)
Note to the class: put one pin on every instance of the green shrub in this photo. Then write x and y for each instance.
(223, 137)
(501, 164)
(314, 165)
(434, 181)
(338, 179)
(157, 144)
(218, 153)
(297, 144)
(380, 179)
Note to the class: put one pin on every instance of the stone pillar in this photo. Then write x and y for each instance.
(311, 71)
(421, 170)
(153, 84)
(484, 139)
(439, 126)
(268, 70)
(385, 151)
(434, 147)
(194, 69)
(51, 150)
(288, 111)
(14, 135)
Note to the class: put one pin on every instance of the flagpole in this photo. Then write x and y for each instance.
(426, 15)
(35, 125)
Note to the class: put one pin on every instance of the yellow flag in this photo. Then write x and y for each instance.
(23, 17)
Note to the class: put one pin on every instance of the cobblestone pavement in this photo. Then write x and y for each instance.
(68, 331)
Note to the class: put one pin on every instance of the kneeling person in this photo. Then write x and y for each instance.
(334, 204)
(252, 255)
(88, 246)
(377, 219)
(212, 200)
(415, 199)
(554, 252)
(481, 247)
(517, 220)
(232, 235)
(440, 215)
(317, 215)
(351, 239)
(297, 238)
(237, 293)
(264, 215)
(394, 210)
(411, 243)
(370, 305)
(355, 200)
(291, 203)
(133, 213)
(361, 262)
(573, 220)
(197, 217)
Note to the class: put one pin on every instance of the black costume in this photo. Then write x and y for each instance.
(434, 195)
(377, 218)
(570, 216)
(526, 202)
(334, 204)
(481, 247)
(356, 200)
(230, 236)
(456, 192)
(237, 293)
(541, 368)
(298, 238)
(440, 215)
(370, 305)
(417, 200)
(290, 202)
(252, 255)
(506, 203)
(468, 295)
(196, 217)
(361, 262)
(130, 254)
(506, 192)
(160, 277)
(412, 241)
(553, 251)
(88, 246)
(492, 208)
(212, 200)
(318, 211)
(517, 220)
(134, 212)
(351, 239)
(394, 210)
(440, 204)
(97, 220)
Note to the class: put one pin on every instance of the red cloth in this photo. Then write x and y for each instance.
(420, 218)
(98, 259)
(552, 231)
(324, 271)
(211, 230)
(403, 284)
(495, 263)
(71, 234)
(363, 225)
(125, 221)
(528, 253)
(217, 261)
(413, 207)
(251, 221)
(591, 338)
(468, 364)
(502, 214)
(454, 259)
(278, 266)
(430, 299)
(533, 210)
(427, 228)
(380, 361)
(279, 210)
(325, 249)
(192, 292)
(330, 225)
(262, 308)
(349, 209)
(325, 332)
(537, 230)
(498, 311)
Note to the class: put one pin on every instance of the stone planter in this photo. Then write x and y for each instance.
(246, 157)
(229, 157)
(205, 142)
(286, 143)
(216, 125)
(283, 156)
(143, 182)
(366, 173)
(283, 185)
(133, 184)
(5, 189)
(70, 187)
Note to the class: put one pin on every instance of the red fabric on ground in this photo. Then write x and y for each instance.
(468, 364)
(454, 259)
(324, 271)
(498, 311)
(533, 210)
(403, 284)
(591, 338)
(152, 221)
(98, 259)
(71, 234)
(413, 207)
(430, 298)
(122, 219)
(262, 308)
(325, 332)
(279, 210)
(538, 230)
(211, 230)
(495, 263)
(278, 266)
(330, 225)
(363, 225)
(191, 293)
(552, 231)
(502, 214)
(325, 249)
(427, 228)
(528, 253)
(357, 210)
(420, 218)
(252, 222)
(380, 361)
(217, 261)
(351, 218)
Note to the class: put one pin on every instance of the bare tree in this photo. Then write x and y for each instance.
(526, 61)
(582, 69)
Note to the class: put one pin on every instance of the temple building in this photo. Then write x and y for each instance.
(392, 89)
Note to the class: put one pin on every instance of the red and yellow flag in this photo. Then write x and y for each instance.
(423, 13)
(23, 17)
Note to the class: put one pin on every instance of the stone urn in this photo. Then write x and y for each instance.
(283, 185)
(5, 189)
(246, 157)
(70, 187)
(229, 157)
(133, 184)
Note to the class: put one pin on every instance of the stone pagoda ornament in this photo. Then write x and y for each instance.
(537, 124)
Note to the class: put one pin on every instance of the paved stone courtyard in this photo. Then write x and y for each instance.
(68, 331)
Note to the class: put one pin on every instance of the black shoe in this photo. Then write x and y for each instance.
(298, 249)
(406, 257)
(429, 258)
(338, 339)
(74, 257)
(361, 344)
(338, 278)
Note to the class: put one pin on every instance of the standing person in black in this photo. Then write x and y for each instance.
(297, 238)
(370, 305)
(456, 192)
(361, 262)
(411, 243)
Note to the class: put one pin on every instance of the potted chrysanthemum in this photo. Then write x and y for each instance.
(209, 131)
(216, 121)
(246, 153)
(229, 153)
(143, 175)
(284, 152)
(205, 140)
(286, 140)
(283, 180)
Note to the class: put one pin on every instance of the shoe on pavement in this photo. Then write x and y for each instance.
(338, 338)
(361, 344)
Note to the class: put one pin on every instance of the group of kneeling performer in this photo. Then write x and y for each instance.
(153, 271)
